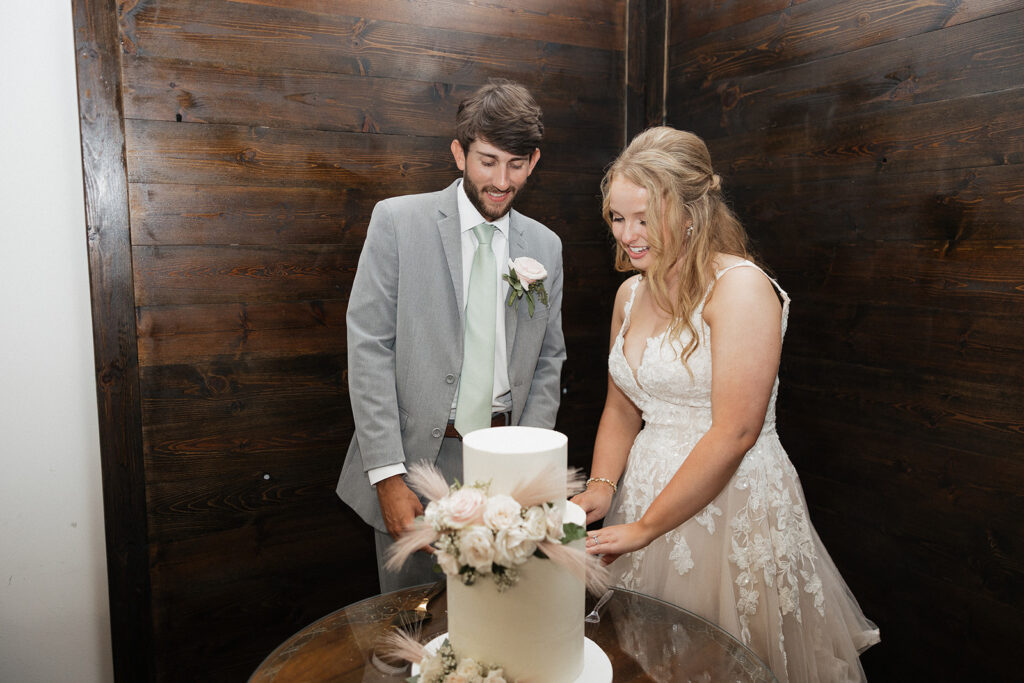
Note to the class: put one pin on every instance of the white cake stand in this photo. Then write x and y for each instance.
(597, 668)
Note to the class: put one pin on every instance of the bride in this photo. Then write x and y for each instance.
(702, 506)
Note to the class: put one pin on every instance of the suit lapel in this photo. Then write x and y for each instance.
(516, 247)
(449, 228)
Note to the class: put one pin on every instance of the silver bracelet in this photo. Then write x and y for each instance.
(603, 481)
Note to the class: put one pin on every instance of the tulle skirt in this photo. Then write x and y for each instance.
(750, 562)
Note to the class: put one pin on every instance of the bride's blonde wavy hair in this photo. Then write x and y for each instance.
(674, 166)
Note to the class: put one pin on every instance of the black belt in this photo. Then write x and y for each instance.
(497, 420)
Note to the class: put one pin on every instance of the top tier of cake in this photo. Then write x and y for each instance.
(508, 456)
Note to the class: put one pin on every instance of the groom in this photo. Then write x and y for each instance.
(434, 348)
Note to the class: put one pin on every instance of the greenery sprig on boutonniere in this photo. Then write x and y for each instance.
(525, 276)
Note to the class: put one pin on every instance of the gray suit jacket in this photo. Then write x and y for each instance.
(405, 331)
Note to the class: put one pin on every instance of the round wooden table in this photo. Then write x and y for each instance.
(645, 639)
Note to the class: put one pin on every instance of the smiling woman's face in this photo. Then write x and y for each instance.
(627, 206)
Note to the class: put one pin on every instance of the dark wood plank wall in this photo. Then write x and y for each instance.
(875, 151)
(257, 135)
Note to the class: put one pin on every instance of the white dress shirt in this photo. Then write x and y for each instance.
(469, 218)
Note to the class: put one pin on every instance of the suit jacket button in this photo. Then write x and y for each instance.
(436, 433)
(449, 378)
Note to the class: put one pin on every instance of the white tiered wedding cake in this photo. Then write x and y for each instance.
(534, 629)
(512, 548)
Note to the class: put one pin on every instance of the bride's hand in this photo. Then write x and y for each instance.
(595, 502)
(613, 541)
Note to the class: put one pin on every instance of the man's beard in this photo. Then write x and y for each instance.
(475, 195)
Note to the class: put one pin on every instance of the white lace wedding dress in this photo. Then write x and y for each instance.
(750, 561)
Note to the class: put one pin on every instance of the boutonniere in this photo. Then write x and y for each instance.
(525, 275)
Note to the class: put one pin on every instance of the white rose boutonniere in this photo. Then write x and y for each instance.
(525, 276)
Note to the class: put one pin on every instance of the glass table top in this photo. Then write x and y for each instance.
(645, 639)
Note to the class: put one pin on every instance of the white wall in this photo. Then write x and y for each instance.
(54, 619)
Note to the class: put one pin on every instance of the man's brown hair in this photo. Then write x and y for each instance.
(504, 114)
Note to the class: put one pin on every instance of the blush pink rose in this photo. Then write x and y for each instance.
(464, 507)
(528, 270)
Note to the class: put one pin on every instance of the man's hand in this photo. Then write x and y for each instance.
(398, 504)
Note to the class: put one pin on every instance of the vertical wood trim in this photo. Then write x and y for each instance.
(97, 56)
(646, 29)
(656, 73)
(636, 57)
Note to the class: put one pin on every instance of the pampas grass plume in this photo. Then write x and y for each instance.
(409, 542)
(547, 485)
(400, 645)
(575, 481)
(427, 480)
(587, 568)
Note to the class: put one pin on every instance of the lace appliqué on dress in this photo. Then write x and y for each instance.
(784, 557)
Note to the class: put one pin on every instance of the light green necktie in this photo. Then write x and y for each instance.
(476, 388)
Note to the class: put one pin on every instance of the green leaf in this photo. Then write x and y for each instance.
(572, 532)
(529, 302)
(542, 293)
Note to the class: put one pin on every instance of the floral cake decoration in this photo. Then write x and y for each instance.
(476, 534)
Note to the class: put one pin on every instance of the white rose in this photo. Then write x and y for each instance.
(468, 667)
(535, 522)
(512, 547)
(431, 669)
(528, 270)
(454, 677)
(502, 512)
(555, 530)
(463, 507)
(495, 676)
(449, 565)
(476, 548)
(433, 514)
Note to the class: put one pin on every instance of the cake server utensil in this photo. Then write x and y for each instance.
(594, 617)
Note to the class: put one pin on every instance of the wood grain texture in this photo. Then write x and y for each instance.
(164, 89)
(171, 335)
(975, 204)
(574, 22)
(693, 19)
(216, 274)
(251, 36)
(986, 55)
(113, 314)
(924, 275)
(810, 31)
(978, 131)
(246, 588)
